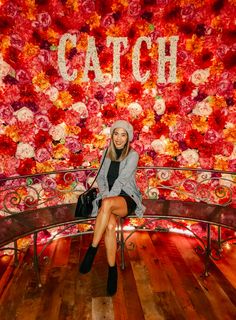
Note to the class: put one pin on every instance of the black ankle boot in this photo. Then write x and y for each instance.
(112, 280)
(87, 262)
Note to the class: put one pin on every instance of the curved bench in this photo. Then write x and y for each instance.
(16, 225)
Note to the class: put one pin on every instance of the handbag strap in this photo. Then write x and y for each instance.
(98, 170)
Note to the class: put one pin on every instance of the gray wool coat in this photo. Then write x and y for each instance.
(125, 181)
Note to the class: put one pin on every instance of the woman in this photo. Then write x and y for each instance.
(118, 196)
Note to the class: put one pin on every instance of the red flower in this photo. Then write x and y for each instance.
(229, 59)
(7, 146)
(109, 112)
(76, 91)
(41, 138)
(135, 90)
(27, 166)
(185, 88)
(76, 159)
(193, 139)
(56, 115)
(205, 150)
(85, 135)
(204, 60)
(172, 107)
(217, 120)
(160, 129)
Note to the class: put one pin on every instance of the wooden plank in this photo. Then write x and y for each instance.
(148, 253)
(102, 308)
(175, 276)
(143, 285)
(210, 286)
(130, 308)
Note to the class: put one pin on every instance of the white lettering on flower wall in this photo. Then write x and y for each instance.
(92, 58)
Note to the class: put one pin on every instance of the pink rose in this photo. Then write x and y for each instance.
(6, 113)
(188, 12)
(138, 146)
(211, 136)
(17, 42)
(88, 6)
(73, 144)
(22, 77)
(93, 106)
(42, 122)
(11, 9)
(44, 57)
(109, 96)
(44, 19)
(42, 155)
(108, 20)
(232, 165)
(206, 163)
(134, 8)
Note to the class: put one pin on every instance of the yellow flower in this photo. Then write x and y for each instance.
(143, 28)
(82, 42)
(94, 21)
(230, 134)
(72, 130)
(200, 123)
(216, 68)
(53, 36)
(151, 83)
(146, 160)
(172, 148)
(41, 81)
(46, 166)
(194, 44)
(169, 119)
(217, 102)
(113, 31)
(122, 99)
(60, 151)
(99, 141)
(170, 29)
(30, 50)
(221, 163)
(149, 120)
(5, 43)
(13, 133)
(64, 100)
(72, 4)
(31, 13)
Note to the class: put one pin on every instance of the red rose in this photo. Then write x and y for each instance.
(193, 139)
(160, 129)
(41, 138)
(7, 146)
(217, 120)
(56, 115)
(27, 166)
(76, 159)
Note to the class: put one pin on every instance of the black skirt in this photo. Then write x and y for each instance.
(131, 205)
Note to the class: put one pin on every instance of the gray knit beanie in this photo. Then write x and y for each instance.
(124, 125)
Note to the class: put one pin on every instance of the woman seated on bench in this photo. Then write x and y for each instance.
(118, 196)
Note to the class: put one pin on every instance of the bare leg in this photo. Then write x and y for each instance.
(110, 241)
(112, 205)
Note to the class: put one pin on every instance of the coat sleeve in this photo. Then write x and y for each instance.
(101, 179)
(126, 173)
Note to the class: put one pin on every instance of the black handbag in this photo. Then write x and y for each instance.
(84, 205)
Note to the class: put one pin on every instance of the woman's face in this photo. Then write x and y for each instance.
(120, 138)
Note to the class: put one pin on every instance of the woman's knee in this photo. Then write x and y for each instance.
(111, 228)
(107, 204)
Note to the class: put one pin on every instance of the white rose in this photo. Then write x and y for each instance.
(200, 76)
(24, 114)
(158, 146)
(24, 150)
(58, 132)
(135, 109)
(81, 108)
(202, 109)
(52, 93)
(190, 156)
(160, 106)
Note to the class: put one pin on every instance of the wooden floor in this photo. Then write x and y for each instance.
(162, 280)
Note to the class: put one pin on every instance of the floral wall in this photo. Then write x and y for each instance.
(168, 67)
